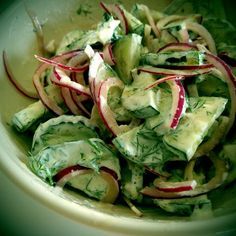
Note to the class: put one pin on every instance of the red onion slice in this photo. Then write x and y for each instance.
(62, 79)
(227, 59)
(178, 98)
(109, 171)
(151, 22)
(95, 64)
(185, 72)
(229, 78)
(132, 207)
(189, 169)
(78, 99)
(117, 12)
(164, 79)
(67, 174)
(62, 66)
(203, 32)
(13, 80)
(175, 186)
(221, 173)
(105, 112)
(113, 189)
(153, 171)
(177, 47)
(178, 102)
(223, 67)
(67, 97)
(186, 67)
(108, 55)
(164, 21)
(63, 176)
(184, 35)
(105, 7)
(46, 100)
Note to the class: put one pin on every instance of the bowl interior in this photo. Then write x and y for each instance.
(19, 41)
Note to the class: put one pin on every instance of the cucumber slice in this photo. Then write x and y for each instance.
(204, 86)
(62, 129)
(92, 153)
(79, 39)
(114, 102)
(97, 121)
(132, 180)
(194, 125)
(138, 10)
(95, 185)
(127, 54)
(185, 206)
(140, 102)
(99, 71)
(215, 135)
(25, 118)
(106, 30)
(87, 38)
(134, 24)
(220, 89)
(68, 40)
(157, 122)
(143, 147)
(186, 58)
(37, 112)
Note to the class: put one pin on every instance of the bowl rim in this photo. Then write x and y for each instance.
(14, 169)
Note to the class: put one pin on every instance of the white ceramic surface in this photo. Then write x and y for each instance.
(18, 39)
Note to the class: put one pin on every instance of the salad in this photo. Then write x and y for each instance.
(140, 110)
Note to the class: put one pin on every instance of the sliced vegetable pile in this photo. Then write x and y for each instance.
(140, 107)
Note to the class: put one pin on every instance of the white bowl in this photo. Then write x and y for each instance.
(18, 39)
